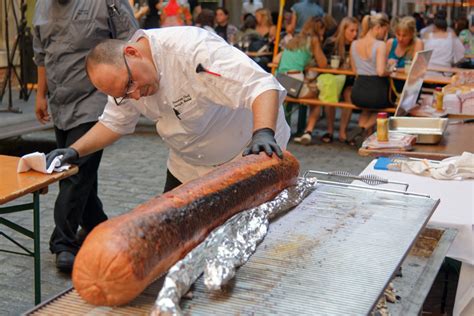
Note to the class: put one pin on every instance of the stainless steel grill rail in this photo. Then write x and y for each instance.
(345, 177)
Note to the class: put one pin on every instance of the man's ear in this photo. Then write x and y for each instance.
(131, 51)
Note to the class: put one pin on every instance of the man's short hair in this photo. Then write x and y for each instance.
(440, 20)
(108, 52)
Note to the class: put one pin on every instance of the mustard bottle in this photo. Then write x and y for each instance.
(382, 127)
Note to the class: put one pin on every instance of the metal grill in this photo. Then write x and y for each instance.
(332, 255)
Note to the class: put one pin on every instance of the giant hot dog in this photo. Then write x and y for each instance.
(123, 255)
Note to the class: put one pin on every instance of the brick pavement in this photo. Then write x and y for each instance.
(131, 172)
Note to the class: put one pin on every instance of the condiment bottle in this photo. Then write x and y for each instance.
(382, 127)
(439, 99)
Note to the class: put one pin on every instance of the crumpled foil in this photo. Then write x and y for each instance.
(226, 248)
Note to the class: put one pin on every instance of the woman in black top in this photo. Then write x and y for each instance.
(340, 45)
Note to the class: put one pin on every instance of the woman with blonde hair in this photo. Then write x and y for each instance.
(338, 45)
(368, 60)
(300, 52)
(265, 26)
(405, 44)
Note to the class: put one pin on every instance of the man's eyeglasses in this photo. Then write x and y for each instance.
(131, 85)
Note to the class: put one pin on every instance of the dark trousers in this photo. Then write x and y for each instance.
(77, 202)
(171, 182)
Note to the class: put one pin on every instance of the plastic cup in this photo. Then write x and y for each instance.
(335, 61)
(407, 66)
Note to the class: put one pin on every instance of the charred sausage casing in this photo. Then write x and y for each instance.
(123, 255)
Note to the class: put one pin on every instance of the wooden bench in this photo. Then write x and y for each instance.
(345, 105)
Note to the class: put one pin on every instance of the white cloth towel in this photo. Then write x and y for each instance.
(453, 168)
(37, 162)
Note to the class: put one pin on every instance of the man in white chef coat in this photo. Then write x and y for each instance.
(210, 102)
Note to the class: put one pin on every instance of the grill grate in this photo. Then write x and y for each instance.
(333, 254)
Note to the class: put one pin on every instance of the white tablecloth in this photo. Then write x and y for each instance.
(456, 209)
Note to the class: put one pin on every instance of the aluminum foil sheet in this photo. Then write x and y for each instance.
(226, 248)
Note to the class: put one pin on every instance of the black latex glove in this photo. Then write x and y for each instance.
(263, 140)
(69, 155)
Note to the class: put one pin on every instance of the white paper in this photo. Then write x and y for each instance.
(37, 162)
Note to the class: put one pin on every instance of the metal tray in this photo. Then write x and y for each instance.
(428, 130)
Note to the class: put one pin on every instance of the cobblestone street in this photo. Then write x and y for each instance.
(131, 172)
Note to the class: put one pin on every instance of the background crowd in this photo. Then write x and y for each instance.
(371, 45)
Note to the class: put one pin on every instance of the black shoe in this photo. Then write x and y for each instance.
(65, 261)
(356, 137)
(81, 236)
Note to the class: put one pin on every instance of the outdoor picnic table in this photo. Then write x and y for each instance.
(258, 54)
(456, 140)
(334, 71)
(398, 75)
(432, 79)
(446, 70)
(16, 185)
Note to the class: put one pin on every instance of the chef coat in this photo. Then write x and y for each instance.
(205, 119)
